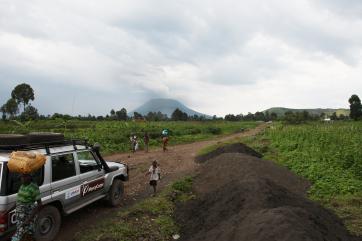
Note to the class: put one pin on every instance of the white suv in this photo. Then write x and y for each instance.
(74, 175)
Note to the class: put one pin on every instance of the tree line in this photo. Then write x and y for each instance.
(23, 94)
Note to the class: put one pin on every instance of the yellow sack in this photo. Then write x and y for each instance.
(25, 162)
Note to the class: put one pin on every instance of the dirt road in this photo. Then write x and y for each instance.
(175, 163)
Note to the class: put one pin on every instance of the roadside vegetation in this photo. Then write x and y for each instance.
(327, 154)
(114, 135)
(150, 219)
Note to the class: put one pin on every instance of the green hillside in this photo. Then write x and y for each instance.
(280, 111)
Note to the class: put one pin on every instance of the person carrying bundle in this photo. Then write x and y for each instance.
(134, 143)
(164, 139)
(26, 209)
(28, 193)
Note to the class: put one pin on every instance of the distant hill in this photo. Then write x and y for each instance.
(166, 106)
(280, 111)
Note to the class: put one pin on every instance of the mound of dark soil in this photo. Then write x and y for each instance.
(244, 198)
(232, 148)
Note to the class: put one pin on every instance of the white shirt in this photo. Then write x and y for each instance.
(154, 173)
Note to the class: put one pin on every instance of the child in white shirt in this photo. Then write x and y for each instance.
(155, 175)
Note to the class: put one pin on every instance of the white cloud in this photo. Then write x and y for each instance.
(217, 57)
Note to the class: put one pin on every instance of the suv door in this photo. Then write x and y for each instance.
(91, 175)
(65, 181)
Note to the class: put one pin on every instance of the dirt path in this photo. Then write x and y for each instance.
(175, 163)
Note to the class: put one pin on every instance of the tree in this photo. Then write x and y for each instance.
(334, 116)
(156, 116)
(273, 116)
(10, 107)
(137, 116)
(249, 117)
(178, 115)
(112, 112)
(259, 116)
(355, 107)
(3, 110)
(30, 113)
(342, 117)
(122, 114)
(306, 115)
(267, 116)
(23, 93)
(230, 117)
(292, 118)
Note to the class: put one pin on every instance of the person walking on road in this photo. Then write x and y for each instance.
(164, 139)
(26, 209)
(155, 175)
(146, 139)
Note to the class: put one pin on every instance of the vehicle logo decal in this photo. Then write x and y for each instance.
(75, 191)
(92, 187)
(12, 217)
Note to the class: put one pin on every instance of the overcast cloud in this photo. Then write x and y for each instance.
(217, 57)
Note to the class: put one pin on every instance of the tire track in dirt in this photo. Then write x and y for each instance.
(178, 161)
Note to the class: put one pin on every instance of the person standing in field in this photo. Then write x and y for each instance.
(136, 145)
(133, 140)
(26, 209)
(164, 139)
(132, 143)
(155, 175)
(146, 139)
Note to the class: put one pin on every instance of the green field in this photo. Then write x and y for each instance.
(329, 155)
(114, 135)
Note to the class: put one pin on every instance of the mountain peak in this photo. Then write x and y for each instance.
(166, 106)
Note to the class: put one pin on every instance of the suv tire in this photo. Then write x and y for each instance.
(47, 223)
(115, 194)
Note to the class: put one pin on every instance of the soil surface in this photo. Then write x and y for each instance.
(175, 163)
(244, 198)
(232, 148)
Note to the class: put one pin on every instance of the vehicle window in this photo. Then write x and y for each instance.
(62, 167)
(13, 181)
(1, 171)
(87, 162)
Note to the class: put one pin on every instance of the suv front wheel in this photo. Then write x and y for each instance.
(115, 194)
(47, 224)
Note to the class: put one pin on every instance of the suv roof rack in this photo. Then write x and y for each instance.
(45, 145)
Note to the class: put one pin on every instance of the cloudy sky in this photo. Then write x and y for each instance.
(217, 57)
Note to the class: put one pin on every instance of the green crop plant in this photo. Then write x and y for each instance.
(114, 135)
